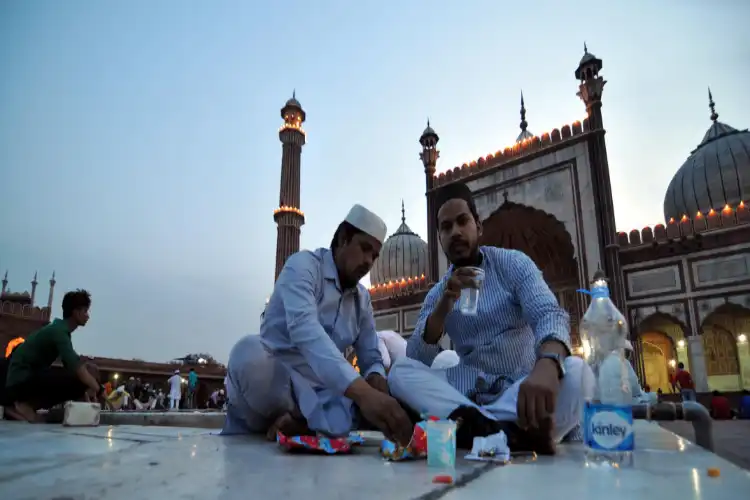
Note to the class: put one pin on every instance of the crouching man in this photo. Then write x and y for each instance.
(32, 383)
(293, 377)
(515, 372)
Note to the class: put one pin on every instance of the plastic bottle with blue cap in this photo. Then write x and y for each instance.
(608, 414)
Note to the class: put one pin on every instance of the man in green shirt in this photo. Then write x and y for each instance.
(31, 383)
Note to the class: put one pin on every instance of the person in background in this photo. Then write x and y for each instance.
(720, 408)
(745, 405)
(649, 396)
(293, 378)
(32, 383)
(685, 383)
(175, 390)
(515, 372)
(192, 388)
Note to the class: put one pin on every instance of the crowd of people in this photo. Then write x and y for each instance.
(511, 368)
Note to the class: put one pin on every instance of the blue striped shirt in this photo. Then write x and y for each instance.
(517, 312)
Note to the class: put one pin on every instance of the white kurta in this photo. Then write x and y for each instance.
(298, 358)
(175, 386)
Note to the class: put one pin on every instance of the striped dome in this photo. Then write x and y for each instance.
(403, 256)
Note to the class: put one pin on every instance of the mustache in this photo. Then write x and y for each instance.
(458, 241)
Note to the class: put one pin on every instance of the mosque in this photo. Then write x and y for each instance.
(684, 285)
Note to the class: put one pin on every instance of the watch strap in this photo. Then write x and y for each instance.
(557, 359)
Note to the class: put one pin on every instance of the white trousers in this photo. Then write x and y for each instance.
(174, 403)
(259, 388)
(428, 392)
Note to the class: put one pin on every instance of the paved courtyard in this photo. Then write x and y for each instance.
(731, 438)
(50, 462)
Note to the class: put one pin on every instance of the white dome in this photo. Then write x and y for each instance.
(403, 256)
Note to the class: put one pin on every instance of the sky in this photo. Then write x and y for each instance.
(139, 151)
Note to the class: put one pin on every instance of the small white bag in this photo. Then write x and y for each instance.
(81, 414)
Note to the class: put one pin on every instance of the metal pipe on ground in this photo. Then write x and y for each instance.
(691, 411)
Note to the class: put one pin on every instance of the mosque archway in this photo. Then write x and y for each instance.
(725, 334)
(547, 242)
(662, 344)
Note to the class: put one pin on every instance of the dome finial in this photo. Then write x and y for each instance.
(712, 106)
(294, 93)
(524, 124)
(585, 48)
(403, 210)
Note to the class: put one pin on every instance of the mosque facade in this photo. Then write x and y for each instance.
(684, 285)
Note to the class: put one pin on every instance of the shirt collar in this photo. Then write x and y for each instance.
(329, 268)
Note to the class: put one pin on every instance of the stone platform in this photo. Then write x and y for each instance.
(51, 462)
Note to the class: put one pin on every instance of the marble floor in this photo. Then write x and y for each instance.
(51, 462)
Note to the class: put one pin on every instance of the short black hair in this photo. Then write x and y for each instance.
(681, 365)
(347, 230)
(75, 300)
(456, 190)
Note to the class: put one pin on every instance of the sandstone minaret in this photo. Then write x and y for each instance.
(288, 216)
(429, 156)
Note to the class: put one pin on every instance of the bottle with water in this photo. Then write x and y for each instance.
(607, 414)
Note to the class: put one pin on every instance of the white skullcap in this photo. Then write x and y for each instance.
(445, 360)
(368, 222)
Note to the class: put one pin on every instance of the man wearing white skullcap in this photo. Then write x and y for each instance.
(293, 378)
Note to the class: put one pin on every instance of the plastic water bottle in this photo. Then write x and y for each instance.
(608, 413)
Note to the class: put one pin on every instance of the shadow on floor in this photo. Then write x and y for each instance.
(731, 439)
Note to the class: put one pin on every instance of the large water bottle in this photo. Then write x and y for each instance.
(608, 414)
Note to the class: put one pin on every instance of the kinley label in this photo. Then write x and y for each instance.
(608, 427)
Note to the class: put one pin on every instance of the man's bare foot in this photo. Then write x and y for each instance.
(289, 426)
(26, 412)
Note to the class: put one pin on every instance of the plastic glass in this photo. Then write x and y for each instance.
(441, 444)
(469, 300)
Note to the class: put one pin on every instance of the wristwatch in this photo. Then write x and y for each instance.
(558, 361)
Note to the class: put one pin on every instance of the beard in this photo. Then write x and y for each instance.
(473, 258)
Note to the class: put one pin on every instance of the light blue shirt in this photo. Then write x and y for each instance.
(308, 325)
(516, 313)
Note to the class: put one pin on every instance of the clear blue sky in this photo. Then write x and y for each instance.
(139, 155)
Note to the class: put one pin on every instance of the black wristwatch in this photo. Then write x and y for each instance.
(558, 361)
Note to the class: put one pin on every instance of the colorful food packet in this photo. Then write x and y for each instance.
(318, 444)
(416, 449)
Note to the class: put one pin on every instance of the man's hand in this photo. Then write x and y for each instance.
(537, 396)
(462, 277)
(92, 395)
(385, 413)
(378, 382)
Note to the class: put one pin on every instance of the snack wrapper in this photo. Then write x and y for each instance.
(319, 444)
(416, 449)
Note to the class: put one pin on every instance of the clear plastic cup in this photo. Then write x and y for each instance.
(469, 300)
(441, 445)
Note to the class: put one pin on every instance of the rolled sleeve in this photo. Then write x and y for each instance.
(296, 286)
(68, 356)
(416, 347)
(539, 305)
(366, 346)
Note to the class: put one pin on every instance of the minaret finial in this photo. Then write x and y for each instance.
(524, 124)
(712, 106)
(403, 210)
(428, 122)
(35, 276)
(585, 48)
